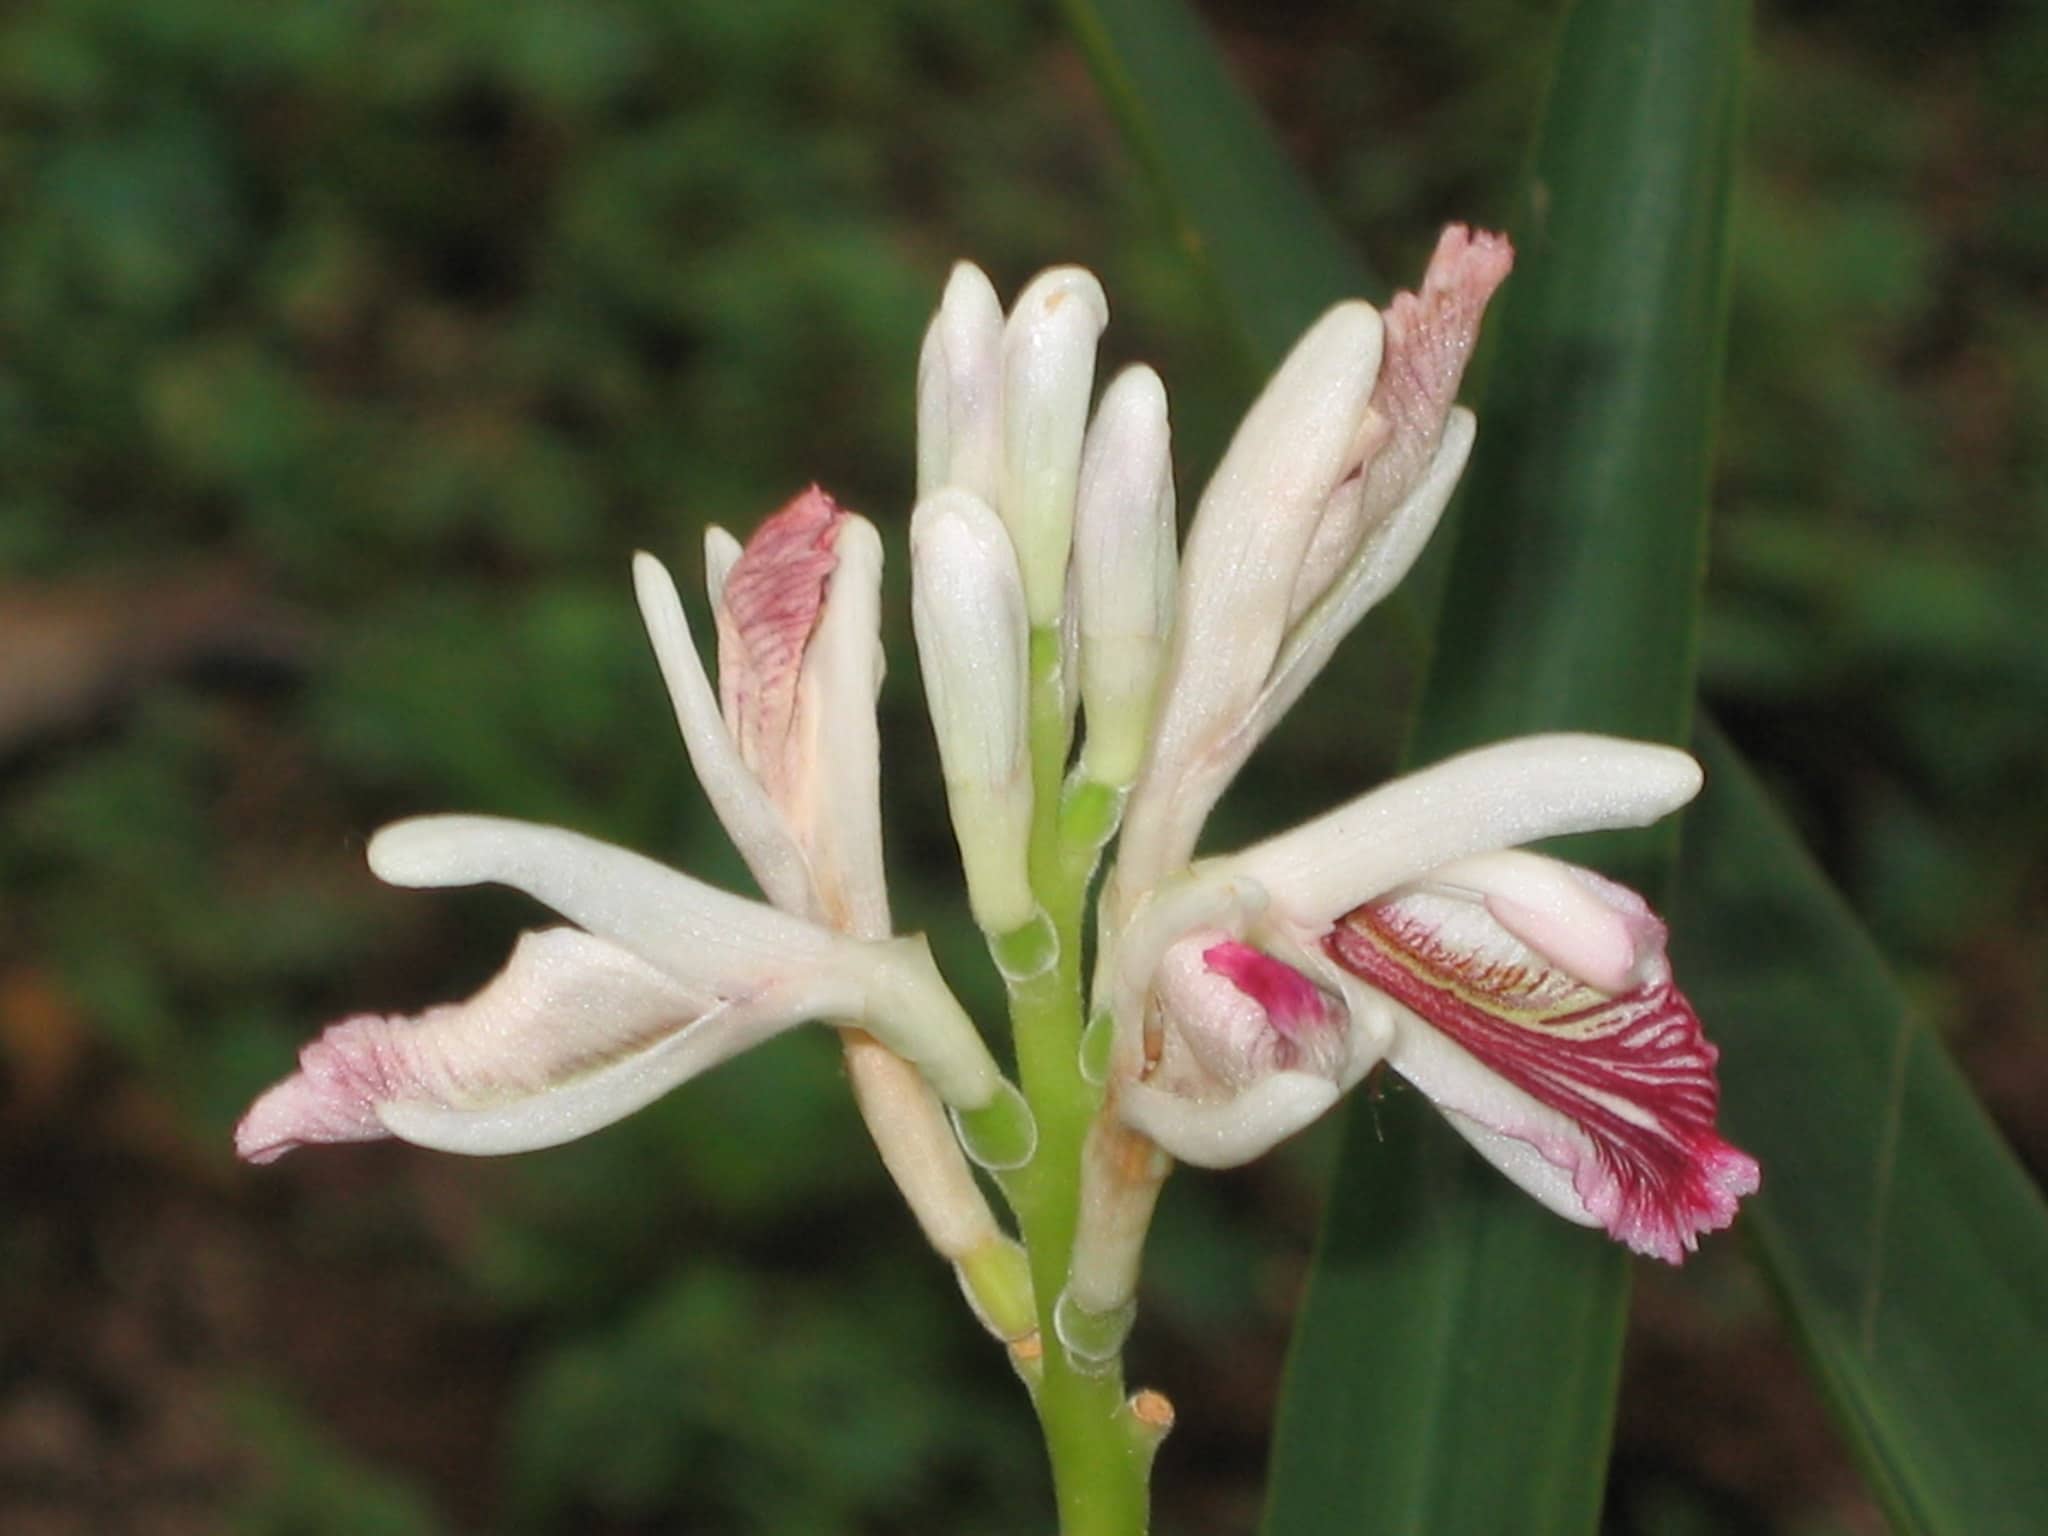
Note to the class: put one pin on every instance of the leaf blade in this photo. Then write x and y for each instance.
(1907, 1242)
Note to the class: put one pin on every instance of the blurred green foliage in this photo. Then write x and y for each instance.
(391, 328)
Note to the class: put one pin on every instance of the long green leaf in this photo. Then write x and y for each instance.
(1908, 1243)
(1571, 603)
(1926, 1336)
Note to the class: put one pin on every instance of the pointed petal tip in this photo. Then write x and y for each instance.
(331, 1098)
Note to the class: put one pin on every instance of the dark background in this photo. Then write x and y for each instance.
(347, 350)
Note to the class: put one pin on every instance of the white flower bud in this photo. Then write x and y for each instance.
(1124, 571)
(1048, 376)
(960, 390)
(973, 645)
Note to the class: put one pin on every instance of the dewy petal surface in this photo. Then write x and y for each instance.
(572, 1035)
(1602, 1104)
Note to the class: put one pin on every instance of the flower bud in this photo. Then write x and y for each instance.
(960, 390)
(1048, 376)
(967, 607)
(1124, 571)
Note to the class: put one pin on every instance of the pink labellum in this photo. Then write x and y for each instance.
(1293, 1004)
(1241, 1016)
(1429, 339)
(1630, 1072)
(771, 604)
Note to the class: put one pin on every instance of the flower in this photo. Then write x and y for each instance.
(1529, 999)
(666, 977)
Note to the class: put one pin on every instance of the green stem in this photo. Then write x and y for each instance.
(1100, 1452)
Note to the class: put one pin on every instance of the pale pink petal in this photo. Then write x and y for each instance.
(1614, 1091)
(1429, 340)
(1588, 925)
(501, 1072)
(769, 607)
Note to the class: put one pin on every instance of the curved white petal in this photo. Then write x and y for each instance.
(721, 553)
(1480, 801)
(1389, 552)
(1233, 1131)
(705, 938)
(750, 817)
(1130, 958)
(696, 933)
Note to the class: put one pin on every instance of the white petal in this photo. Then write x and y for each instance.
(842, 675)
(1223, 1135)
(696, 933)
(705, 938)
(1251, 529)
(1388, 553)
(1478, 802)
(750, 817)
(721, 553)
(960, 390)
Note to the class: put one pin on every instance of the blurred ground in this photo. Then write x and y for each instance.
(344, 356)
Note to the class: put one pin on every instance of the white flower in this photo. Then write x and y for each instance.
(667, 977)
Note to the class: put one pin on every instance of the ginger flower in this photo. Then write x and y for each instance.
(1529, 999)
(664, 977)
